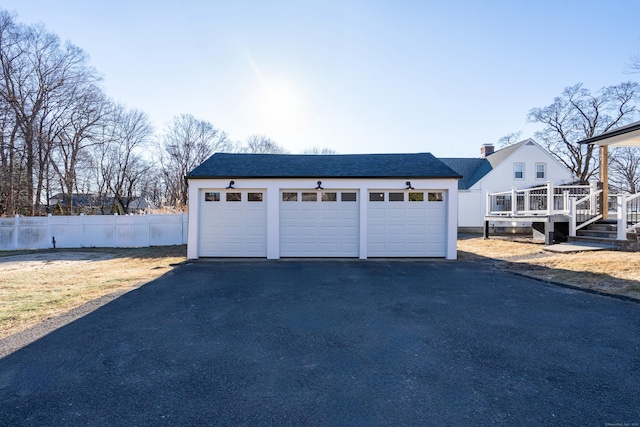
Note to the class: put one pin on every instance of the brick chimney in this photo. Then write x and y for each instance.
(486, 149)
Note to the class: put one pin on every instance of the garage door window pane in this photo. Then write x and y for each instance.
(234, 197)
(289, 197)
(416, 197)
(309, 197)
(376, 197)
(329, 197)
(435, 197)
(396, 197)
(254, 197)
(348, 197)
(211, 197)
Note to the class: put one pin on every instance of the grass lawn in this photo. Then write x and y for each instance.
(612, 272)
(37, 285)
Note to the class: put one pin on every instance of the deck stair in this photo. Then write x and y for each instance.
(604, 232)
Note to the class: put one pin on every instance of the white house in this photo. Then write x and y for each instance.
(522, 165)
(360, 205)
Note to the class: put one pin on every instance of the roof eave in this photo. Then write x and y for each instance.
(630, 134)
(323, 176)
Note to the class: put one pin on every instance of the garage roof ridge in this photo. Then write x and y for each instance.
(250, 165)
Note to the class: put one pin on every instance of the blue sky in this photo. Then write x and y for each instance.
(357, 76)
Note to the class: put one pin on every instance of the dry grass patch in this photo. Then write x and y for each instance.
(605, 271)
(35, 286)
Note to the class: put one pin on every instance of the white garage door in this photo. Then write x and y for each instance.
(319, 223)
(406, 224)
(233, 223)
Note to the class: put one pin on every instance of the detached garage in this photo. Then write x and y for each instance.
(357, 205)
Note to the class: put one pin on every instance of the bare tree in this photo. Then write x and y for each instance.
(260, 144)
(187, 143)
(624, 170)
(510, 139)
(79, 130)
(8, 161)
(319, 150)
(121, 160)
(40, 77)
(634, 66)
(578, 114)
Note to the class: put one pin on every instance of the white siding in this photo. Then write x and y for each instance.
(274, 219)
(472, 202)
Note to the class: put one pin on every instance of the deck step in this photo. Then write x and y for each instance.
(590, 232)
(603, 241)
(602, 227)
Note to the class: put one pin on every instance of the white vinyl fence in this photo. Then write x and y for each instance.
(86, 231)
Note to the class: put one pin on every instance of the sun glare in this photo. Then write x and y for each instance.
(279, 104)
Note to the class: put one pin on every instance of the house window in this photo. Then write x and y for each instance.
(289, 197)
(435, 197)
(518, 171)
(329, 197)
(416, 197)
(254, 197)
(234, 197)
(348, 197)
(211, 197)
(396, 197)
(541, 170)
(376, 197)
(309, 197)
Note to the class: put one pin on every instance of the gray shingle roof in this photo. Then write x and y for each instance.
(418, 165)
(499, 156)
(471, 170)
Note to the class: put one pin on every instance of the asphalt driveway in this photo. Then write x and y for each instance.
(334, 343)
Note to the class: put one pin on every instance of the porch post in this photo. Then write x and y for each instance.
(604, 178)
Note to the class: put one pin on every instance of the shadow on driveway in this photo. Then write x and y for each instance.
(334, 342)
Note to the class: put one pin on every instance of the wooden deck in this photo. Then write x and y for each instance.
(554, 227)
(558, 212)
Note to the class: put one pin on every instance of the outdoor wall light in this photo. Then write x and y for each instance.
(231, 185)
(408, 184)
(319, 187)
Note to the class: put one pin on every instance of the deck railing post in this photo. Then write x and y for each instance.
(514, 201)
(593, 200)
(488, 207)
(549, 197)
(622, 216)
(565, 201)
(572, 217)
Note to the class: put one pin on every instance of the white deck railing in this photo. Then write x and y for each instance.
(628, 214)
(544, 200)
(584, 211)
(582, 203)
